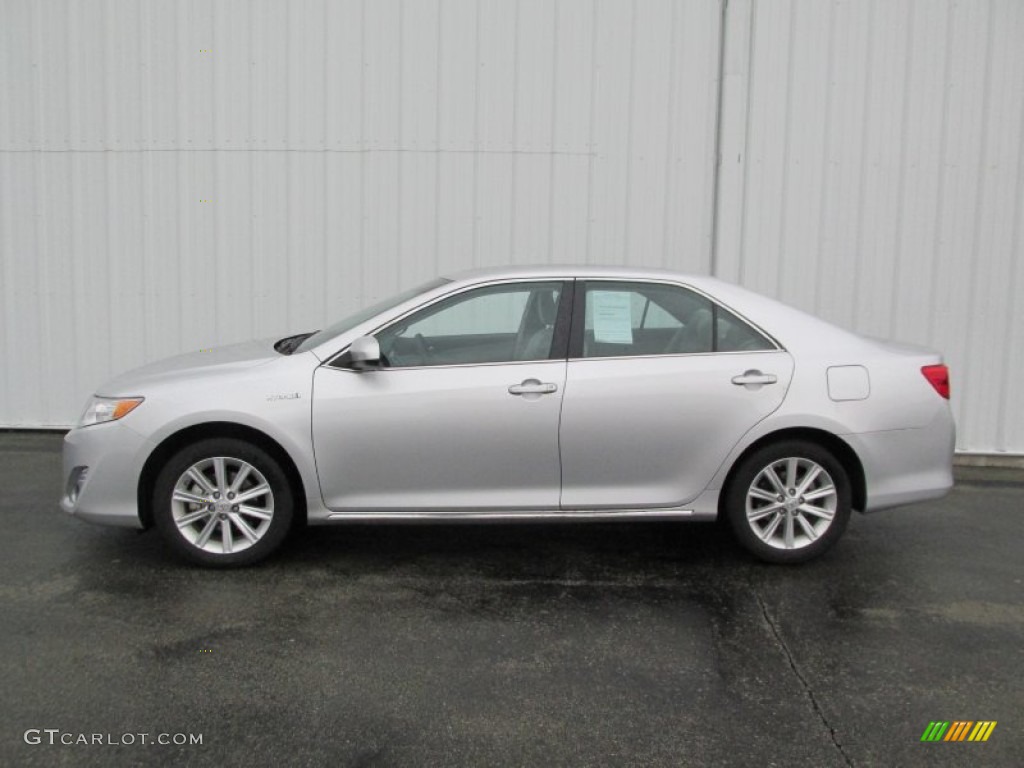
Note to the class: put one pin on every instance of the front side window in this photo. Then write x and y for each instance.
(502, 323)
(624, 319)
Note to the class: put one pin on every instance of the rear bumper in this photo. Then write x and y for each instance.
(110, 457)
(905, 466)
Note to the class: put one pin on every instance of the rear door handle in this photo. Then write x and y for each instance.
(533, 387)
(754, 378)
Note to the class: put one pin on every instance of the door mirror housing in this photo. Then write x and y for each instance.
(364, 353)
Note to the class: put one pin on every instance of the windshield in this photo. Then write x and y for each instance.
(350, 322)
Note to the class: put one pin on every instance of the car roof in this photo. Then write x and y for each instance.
(574, 270)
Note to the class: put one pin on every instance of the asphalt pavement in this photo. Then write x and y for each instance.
(516, 645)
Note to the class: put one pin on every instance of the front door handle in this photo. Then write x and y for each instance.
(532, 387)
(754, 378)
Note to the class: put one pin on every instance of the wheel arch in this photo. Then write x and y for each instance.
(213, 429)
(835, 445)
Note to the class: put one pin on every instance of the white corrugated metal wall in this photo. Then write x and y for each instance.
(177, 175)
(873, 173)
(181, 174)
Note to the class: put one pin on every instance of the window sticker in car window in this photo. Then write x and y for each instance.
(612, 317)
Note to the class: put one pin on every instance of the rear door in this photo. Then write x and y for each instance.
(660, 385)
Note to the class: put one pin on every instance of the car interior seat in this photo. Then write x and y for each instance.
(695, 336)
(534, 339)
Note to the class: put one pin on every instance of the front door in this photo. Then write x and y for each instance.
(461, 416)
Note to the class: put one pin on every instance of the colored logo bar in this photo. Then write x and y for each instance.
(958, 730)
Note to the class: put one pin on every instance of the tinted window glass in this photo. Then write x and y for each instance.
(623, 319)
(628, 319)
(734, 335)
(501, 323)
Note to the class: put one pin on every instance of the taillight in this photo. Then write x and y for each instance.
(938, 377)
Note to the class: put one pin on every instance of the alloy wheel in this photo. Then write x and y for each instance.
(791, 503)
(222, 505)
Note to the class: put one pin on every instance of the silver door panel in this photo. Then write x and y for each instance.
(439, 438)
(652, 431)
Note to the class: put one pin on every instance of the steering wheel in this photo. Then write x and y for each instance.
(424, 349)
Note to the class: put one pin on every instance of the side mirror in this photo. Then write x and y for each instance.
(364, 353)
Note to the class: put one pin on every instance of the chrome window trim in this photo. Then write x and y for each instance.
(655, 356)
(446, 365)
(559, 360)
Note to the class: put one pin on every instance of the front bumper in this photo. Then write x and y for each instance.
(113, 456)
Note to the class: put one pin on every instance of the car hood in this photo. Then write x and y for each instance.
(201, 363)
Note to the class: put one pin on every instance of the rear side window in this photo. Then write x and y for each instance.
(734, 335)
(623, 319)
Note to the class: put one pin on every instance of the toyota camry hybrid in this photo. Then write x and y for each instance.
(548, 393)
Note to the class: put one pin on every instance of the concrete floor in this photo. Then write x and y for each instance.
(611, 644)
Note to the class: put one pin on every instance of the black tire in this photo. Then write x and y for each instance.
(267, 516)
(754, 534)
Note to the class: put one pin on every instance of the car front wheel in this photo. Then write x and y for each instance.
(789, 502)
(222, 502)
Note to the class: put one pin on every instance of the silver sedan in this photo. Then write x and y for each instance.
(548, 393)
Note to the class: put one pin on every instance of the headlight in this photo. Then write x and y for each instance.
(101, 409)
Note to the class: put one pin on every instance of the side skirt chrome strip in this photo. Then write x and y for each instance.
(507, 516)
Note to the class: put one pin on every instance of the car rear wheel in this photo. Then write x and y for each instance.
(222, 502)
(789, 502)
